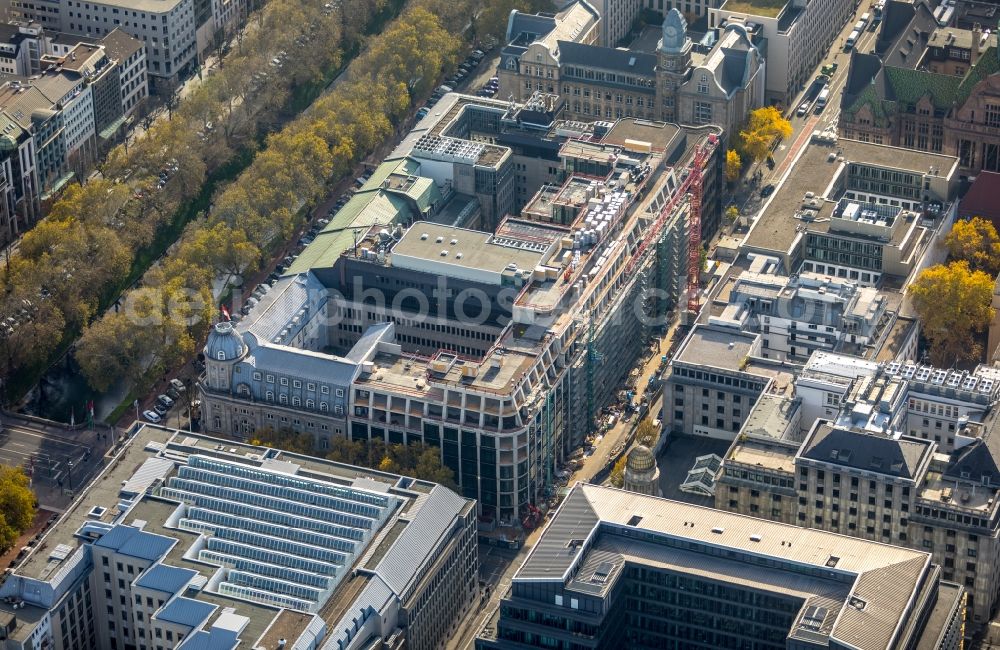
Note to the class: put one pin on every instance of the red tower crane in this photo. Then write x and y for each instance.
(694, 232)
(692, 184)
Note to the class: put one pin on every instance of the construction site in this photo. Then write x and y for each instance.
(577, 284)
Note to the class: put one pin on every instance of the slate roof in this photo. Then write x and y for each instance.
(896, 89)
(533, 25)
(607, 58)
(133, 542)
(185, 611)
(166, 578)
(589, 528)
(899, 457)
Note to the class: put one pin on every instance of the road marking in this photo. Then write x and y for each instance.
(49, 437)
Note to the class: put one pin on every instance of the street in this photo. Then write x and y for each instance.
(59, 461)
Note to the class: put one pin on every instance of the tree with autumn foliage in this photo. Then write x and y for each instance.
(954, 304)
(766, 124)
(734, 165)
(975, 241)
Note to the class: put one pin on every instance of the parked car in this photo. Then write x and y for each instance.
(803, 109)
(767, 191)
(165, 400)
(152, 416)
(160, 409)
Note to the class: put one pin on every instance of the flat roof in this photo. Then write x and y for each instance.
(757, 452)
(448, 246)
(153, 6)
(765, 8)
(771, 417)
(825, 569)
(777, 227)
(716, 347)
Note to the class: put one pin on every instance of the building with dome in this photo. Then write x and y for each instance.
(678, 83)
(641, 473)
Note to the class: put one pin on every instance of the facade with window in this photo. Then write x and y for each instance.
(798, 36)
(212, 543)
(616, 569)
(711, 385)
(944, 99)
(675, 84)
(166, 29)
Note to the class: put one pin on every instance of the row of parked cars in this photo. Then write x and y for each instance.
(165, 402)
(464, 70)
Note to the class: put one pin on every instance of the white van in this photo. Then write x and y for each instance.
(851, 40)
(824, 95)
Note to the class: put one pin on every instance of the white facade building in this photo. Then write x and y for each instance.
(798, 37)
(166, 28)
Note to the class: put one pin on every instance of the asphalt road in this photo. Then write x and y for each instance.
(58, 461)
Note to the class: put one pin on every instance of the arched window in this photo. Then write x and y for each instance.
(269, 396)
(283, 399)
(221, 355)
(310, 404)
(323, 406)
(296, 401)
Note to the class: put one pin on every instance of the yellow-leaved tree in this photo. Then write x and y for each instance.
(953, 303)
(734, 164)
(976, 241)
(17, 505)
(766, 124)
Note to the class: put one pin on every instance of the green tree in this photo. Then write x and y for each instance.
(765, 125)
(975, 241)
(17, 505)
(732, 213)
(954, 304)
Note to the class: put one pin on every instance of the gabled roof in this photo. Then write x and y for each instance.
(607, 58)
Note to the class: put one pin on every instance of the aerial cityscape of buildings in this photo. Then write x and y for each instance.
(677, 401)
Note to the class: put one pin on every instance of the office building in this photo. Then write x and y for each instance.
(165, 27)
(614, 568)
(714, 379)
(799, 314)
(927, 87)
(130, 55)
(191, 542)
(898, 452)
(677, 83)
(794, 36)
(499, 348)
(854, 210)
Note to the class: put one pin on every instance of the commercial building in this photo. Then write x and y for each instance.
(165, 27)
(713, 381)
(191, 542)
(677, 83)
(927, 87)
(130, 55)
(854, 210)
(500, 347)
(27, 50)
(899, 453)
(793, 36)
(799, 314)
(614, 568)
